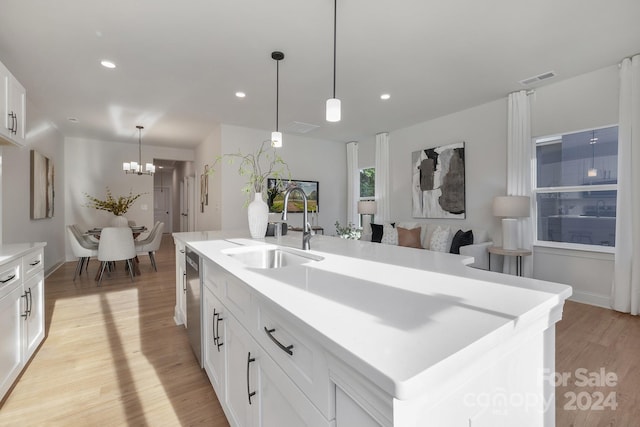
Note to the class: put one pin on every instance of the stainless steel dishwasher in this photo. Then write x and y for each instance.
(194, 306)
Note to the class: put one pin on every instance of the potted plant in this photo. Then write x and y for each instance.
(257, 167)
(349, 231)
(117, 206)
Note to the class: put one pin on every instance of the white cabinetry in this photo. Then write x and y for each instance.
(11, 320)
(21, 314)
(180, 312)
(252, 387)
(12, 107)
(213, 327)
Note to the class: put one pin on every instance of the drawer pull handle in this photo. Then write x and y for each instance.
(8, 278)
(249, 392)
(287, 349)
(34, 263)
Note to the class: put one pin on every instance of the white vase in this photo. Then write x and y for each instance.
(258, 215)
(119, 221)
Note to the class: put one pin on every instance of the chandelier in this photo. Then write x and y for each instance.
(136, 167)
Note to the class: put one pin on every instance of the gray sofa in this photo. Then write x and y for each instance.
(477, 250)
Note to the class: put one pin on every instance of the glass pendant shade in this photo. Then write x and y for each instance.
(276, 139)
(333, 110)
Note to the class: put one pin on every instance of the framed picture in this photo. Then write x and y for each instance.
(438, 182)
(296, 203)
(41, 188)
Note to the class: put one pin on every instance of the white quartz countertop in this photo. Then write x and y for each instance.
(11, 251)
(400, 316)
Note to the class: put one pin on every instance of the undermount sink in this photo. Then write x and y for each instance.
(270, 256)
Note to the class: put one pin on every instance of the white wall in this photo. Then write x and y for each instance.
(308, 159)
(17, 227)
(483, 129)
(93, 165)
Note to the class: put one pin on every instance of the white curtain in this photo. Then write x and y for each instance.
(353, 183)
(625, 294)
(382, 178)
(519, 171)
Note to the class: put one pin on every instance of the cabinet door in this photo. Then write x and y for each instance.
(282, 403)
(6, 119)
(10, 337)
(17, 106)
(34, 302)
(241, 395)
(213, 326)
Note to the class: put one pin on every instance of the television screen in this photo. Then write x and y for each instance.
(296, 202)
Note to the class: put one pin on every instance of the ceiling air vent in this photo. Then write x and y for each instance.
(538, 78)
(299, 127)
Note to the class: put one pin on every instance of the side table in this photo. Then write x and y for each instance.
(518, 253)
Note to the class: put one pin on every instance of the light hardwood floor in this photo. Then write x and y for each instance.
(596, 339)
(113, 356)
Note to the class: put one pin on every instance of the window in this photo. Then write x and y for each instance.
(575, 188)
(367, 183)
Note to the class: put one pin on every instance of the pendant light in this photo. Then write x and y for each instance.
(593, 172)
(136, 167)
(333, 113)
(276, 137)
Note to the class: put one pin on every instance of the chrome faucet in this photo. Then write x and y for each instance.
(306, 228)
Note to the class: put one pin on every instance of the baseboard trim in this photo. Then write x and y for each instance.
(591, 299)
(52, 269)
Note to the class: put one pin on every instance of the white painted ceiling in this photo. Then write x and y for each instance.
(179, 63)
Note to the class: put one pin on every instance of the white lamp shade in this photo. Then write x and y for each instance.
(126, 166)
(333, 110)
(367, 207)
(511, 206)
(134, 166)
(276, 139)
(149, 167)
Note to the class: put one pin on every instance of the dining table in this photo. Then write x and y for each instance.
(135, 229)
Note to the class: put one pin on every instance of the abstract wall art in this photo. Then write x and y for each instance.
(438, 185)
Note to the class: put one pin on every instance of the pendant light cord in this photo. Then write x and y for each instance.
(277, 92)
(335, 20)
(139, 145)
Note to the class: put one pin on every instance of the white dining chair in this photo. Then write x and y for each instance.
(151, 243)
(116, 244)
(81, 250)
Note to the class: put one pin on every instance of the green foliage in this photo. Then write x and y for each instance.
(257, 167)
(118, 206)
(368, 182)
(349, 231)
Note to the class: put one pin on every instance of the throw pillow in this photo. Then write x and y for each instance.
(462, 238)
(376, 232)
(389, 234)
(409, 238)
(439, 239)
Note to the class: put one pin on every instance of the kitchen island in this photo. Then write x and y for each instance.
(379, 335)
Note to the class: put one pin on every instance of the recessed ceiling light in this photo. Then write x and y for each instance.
(385, 96)
(241, 94)
(107, 64)
(73, 119)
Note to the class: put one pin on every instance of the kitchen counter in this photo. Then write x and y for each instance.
(13, 251)
(404, 318)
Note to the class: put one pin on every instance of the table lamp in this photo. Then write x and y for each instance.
(367, 208)
(510, 208)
